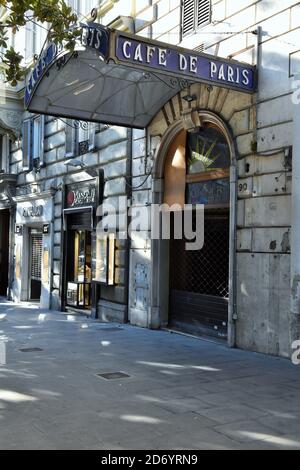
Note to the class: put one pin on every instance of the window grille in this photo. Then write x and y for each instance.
(203, 271)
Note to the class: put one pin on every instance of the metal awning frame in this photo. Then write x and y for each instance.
(106, 42)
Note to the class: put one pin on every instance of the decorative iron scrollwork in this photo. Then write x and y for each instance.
(171, 82)
(183, 83)
(94, 14)
(78, 124)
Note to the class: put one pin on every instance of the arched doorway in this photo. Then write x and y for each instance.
(218, 214)
(197, 172)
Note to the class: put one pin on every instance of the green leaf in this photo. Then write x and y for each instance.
(54, 12)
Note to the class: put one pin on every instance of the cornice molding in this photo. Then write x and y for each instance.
(123, 23)
(34, 196)
(13, 94)
(106, 6)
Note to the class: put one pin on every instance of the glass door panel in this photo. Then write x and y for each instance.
(79, 272)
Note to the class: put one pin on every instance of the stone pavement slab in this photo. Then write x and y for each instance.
(181, 393)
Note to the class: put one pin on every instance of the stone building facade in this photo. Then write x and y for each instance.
(125, 164)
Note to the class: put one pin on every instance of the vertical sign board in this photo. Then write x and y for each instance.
(45, 277)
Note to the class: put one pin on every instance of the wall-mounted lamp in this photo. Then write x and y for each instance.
(76, 163)
(189, 98)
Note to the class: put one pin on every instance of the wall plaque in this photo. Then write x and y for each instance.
(33, 211)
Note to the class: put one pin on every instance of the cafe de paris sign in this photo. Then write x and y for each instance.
(169, 64)
(195, 67)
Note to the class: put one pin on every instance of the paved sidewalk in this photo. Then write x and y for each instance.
(182, 393)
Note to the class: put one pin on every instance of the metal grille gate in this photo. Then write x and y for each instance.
(199, 280)
(36, 259)
(36, 264)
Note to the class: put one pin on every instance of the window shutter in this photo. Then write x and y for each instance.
(70, 138)
(42, 138)
(26, 144)
(188, 17)
(203, 12)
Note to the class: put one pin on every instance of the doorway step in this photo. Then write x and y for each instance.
(77, 311)
(202, 337)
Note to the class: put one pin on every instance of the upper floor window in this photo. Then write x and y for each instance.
(35, 37)
(4, 153)
(82, 8)
(30, 40)
(195, 15)
(80, 137)
(33, 142)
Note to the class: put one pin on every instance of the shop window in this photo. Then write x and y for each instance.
(195, 15)
(104, 259)
(33, 142)
(82, 249)
(80, 137)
